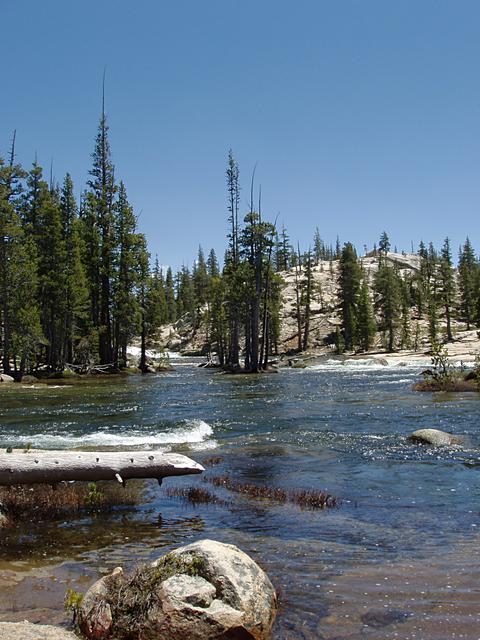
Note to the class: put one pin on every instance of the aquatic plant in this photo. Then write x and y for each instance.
(212, 461)
(305, 498)
(194, 495)
(72, 601)
(94, 496)
(24, 502)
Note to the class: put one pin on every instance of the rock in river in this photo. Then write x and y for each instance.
(435, 436)
(214, 591)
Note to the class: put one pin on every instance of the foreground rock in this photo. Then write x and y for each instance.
(29, 631)
(435, 437)
(204, 591)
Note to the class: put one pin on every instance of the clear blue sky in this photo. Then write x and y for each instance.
(362, 115)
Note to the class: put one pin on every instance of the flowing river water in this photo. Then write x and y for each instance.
(398, 558)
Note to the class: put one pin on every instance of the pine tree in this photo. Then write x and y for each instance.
(307, 290)
(217, 320)
(76, 291)
(338, 249)
(283, 251)
(200, 279)
(366, 326)
(185, 293)
(26, 338)
(101, 204)
(318, 247)
(349, 289)
(156, 304)
(384, 244)
(257, 241)
(52, 276)
(447, 284)
(142, 292)
(467, 270)
(126, 313)
(170, 297)
(11, 238)
(387, 285)
(405, 341)
(232, 263)
(213, 269)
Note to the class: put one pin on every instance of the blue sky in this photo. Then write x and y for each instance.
(361, 115)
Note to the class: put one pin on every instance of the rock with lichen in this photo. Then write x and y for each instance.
(203, 591)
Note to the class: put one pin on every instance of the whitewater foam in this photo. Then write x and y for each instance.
(191, 433)
(366, 364)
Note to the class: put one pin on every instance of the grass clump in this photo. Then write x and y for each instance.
(131, 599)
(305, 498)
(212, 461)
(41, 501)
(72, 601)
(193, 495)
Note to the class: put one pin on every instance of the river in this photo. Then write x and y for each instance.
(398, 558)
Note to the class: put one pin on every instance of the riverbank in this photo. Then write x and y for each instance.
(461, 352)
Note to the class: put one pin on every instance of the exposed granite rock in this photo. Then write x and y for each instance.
(29, 631)
(435, 437)
(229, 597)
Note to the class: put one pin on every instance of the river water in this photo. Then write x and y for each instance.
(398, 558)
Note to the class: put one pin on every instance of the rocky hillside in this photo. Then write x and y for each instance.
(326, 315)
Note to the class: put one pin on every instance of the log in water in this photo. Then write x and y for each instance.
(50, 467)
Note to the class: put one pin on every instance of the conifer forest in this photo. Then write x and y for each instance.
(78, 284)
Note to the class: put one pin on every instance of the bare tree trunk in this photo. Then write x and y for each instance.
(57, 466)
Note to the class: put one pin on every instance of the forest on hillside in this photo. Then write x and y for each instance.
(77, 283)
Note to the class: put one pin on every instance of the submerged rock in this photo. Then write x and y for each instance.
(382, 361)
(29, 379)
(216, 591)
(435, 437)
(379, 618)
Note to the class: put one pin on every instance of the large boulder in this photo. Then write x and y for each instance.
(435, 437)
(5, 378)
(215, 591)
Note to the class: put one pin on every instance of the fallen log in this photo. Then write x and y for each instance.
(52, 467)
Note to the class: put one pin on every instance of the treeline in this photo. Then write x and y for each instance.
(395, 300)
(75, 280)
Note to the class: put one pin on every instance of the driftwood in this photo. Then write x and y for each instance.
(88, 367)
(52, 467)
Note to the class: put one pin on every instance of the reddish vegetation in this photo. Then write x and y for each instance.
(194, 495)
(212, 461)
(307, 499)
(44, 501)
